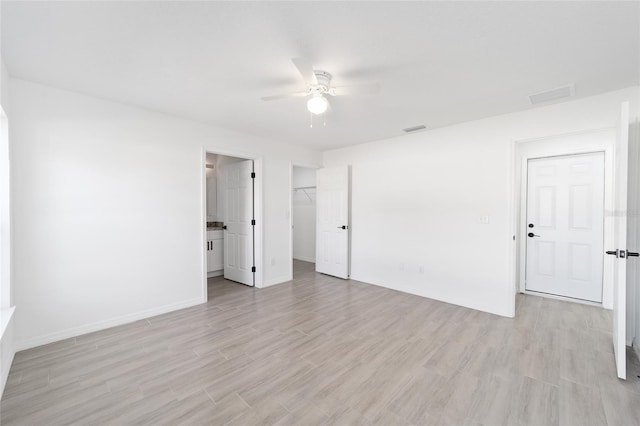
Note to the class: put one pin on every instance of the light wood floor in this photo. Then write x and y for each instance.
(320, 350)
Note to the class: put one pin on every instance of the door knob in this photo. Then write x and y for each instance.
(632, 254)
(530, 225)
(531, 235)
(343, 227)
(224, 227)
(612, 252)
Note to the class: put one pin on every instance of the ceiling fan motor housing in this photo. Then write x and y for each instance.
(324, 80)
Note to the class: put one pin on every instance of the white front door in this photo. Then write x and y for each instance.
(620, 241)
(332, 221)
(238, 219)
(565, 225)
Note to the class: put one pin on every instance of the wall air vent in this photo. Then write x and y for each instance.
(414, 128)
(553, 94)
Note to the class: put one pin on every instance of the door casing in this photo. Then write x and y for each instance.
(594, 235)
(258, 211)
(600, 140)
(290, 213)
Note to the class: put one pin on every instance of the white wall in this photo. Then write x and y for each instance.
(416, 201)
(304, 214)
(108, 209)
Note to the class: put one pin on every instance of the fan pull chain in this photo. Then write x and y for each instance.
(324, 120)
(311, 120)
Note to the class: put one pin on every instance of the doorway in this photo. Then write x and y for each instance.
(555, 146)
(303, 220)
(230, 211)
(565, 224)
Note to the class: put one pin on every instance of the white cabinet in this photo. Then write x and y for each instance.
(215, 251)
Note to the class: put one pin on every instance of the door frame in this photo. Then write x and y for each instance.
(600, 140)
(290, 214)
(257, 209)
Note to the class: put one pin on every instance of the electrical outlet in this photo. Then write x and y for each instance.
(421, 270)
(401, 266)
(484, 220)
(273, 261)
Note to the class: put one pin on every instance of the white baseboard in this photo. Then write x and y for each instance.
(101, 325)
(636, 346)
(215, 273)
(274, 281)
(465, 303)
(305, 259)
(7, 349)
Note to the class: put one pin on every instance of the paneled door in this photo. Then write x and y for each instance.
(621, 239)
(332, 221)
(565, 226)
(238, 222)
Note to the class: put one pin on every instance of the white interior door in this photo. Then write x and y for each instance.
(238, 217)
(565, 225)
(620, 238)
(332, 221)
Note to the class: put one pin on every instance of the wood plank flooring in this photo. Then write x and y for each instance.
(320, 350)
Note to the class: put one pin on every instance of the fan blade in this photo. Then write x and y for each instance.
(305, 68)
(289, 95)
(362, 89)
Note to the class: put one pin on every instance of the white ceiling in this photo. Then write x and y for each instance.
(438, 63)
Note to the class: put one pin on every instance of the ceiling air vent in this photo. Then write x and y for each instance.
(414, 128)
(553, 94)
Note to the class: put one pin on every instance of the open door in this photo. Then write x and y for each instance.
(332, 221)
(620, 239)
(239, 222)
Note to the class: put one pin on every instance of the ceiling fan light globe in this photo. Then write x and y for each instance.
(317, 105)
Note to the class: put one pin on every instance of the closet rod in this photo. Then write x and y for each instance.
(304, 189)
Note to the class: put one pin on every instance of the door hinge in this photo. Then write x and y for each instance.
(253, 222)
(253, 175)
(253, 269)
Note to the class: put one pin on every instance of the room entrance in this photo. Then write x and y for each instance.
(303, 220)
(230, 220)
(565, 226)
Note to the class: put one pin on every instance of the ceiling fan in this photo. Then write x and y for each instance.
(319, 86)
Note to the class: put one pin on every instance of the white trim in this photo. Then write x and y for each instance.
(598, 140)
(203, 221)
(305, 259)
(276, 281)
(469, 302)
(636, 346)
(101, 325)
(566, 299)
(5, 317)
(259, 217)
(512, 270)
(7, 349)
(5, 214)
